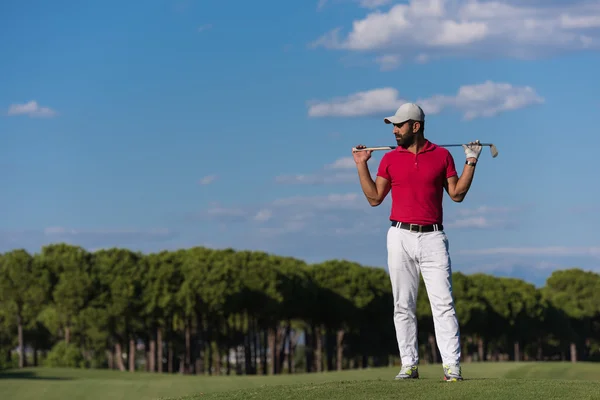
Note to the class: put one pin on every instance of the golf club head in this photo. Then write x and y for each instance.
(493, 150)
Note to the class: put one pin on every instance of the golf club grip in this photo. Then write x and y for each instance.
(375, 148)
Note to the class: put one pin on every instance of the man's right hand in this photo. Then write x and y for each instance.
(361, 156)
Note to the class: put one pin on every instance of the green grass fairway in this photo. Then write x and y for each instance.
(376, 390)
(483, 381)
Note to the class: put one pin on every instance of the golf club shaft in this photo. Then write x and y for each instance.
(395, 147)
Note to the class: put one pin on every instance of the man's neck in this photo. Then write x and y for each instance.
(418, 145)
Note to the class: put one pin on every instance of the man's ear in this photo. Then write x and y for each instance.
(416, 126)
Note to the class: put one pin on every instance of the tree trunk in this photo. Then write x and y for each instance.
(329, 345)
(188, 349)
(198, 365)
(219, 359)
(339, 345)
(159, 350)
(248, 347)
(573, 352)
(147, 357)
(272, 350)
(517, 351)
(152, 356)
(318, 341)
(119, 356)
(21, 341)
(227, 347)
(481, 349)
(170, 357)
(309, 347)
(199, 362)
(248, 352)
(132, 355)
(433, 347)
(283, 335)
(200, 353)
(110, 356)
(255, 346)
(209, 362)
(263, 349)
(292, 352)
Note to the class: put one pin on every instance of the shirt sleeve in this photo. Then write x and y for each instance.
(382, 171)
(450, 166)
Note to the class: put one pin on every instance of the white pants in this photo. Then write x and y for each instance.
(409, 255)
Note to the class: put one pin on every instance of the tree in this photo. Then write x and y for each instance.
(23, 290)
(209, 311)
(577, 294)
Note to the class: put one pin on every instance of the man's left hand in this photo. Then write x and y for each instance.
(472, 150)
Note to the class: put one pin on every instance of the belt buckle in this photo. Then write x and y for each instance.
(410, 227)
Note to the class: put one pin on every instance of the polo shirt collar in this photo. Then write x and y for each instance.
(427, 146)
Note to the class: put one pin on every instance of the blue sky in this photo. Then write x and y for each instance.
(229, 124)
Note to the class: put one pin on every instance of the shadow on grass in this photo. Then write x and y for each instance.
(28, 375)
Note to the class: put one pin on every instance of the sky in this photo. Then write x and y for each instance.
(178, 123)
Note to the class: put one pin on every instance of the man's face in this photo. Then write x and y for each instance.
(405, 133)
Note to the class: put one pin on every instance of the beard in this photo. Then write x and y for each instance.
(405, 141)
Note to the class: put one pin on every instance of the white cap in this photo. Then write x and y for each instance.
(407, 111)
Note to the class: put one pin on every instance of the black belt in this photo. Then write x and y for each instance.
(417, 227)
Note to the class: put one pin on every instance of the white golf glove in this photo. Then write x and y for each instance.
(473, 149)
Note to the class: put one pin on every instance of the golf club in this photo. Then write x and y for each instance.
(492, 146)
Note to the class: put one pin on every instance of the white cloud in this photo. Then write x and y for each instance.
(388, 62)
(361, 3)
(208, 179)
(263, 215)
(488, 210)
(338, 214)
(337, 201)
(483, 217)
(470, 222)
(342, 163)
(486, 99)
(87, 238)
(333, 173)
(63, 231)
(472, 28)
(226, 212)
(312, 215)
(361, 103)
(32, 109)
(373, 3)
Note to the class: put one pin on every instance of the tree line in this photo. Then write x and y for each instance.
(209, 311)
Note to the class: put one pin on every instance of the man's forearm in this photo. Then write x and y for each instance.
(464, 182)
(367, 184)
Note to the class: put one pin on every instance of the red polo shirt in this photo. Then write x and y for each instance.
(417, 182)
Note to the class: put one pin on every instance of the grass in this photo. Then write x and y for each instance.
(487, 381)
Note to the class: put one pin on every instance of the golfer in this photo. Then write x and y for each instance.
(417, 172)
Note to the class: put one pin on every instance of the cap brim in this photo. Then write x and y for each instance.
(393, 120)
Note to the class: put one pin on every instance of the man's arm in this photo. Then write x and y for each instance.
(456, 187)
(375, 191)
